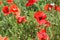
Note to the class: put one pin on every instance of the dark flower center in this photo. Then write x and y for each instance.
(40, 18)
(7, 10)
(42, 39)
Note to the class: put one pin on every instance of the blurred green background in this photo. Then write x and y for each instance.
(28, 31)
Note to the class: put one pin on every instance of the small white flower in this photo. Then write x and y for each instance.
(52, 4)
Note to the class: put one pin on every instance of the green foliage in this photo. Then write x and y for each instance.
(28, 31)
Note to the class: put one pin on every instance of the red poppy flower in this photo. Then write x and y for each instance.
(42, 35)
(40, 17)
(57, 8)
(3, 38)
(14, 8)
(31, 2)
(9, 1)
(48, 7)
(41, 22)
(6, 10)
(21, 19)
(0, 2)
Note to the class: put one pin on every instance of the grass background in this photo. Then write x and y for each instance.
(28, 31)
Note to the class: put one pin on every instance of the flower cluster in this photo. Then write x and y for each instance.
(13, 8)
(42, 35)
(49, 7)
(41, 19)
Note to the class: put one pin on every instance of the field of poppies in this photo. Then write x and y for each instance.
(29, 20)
